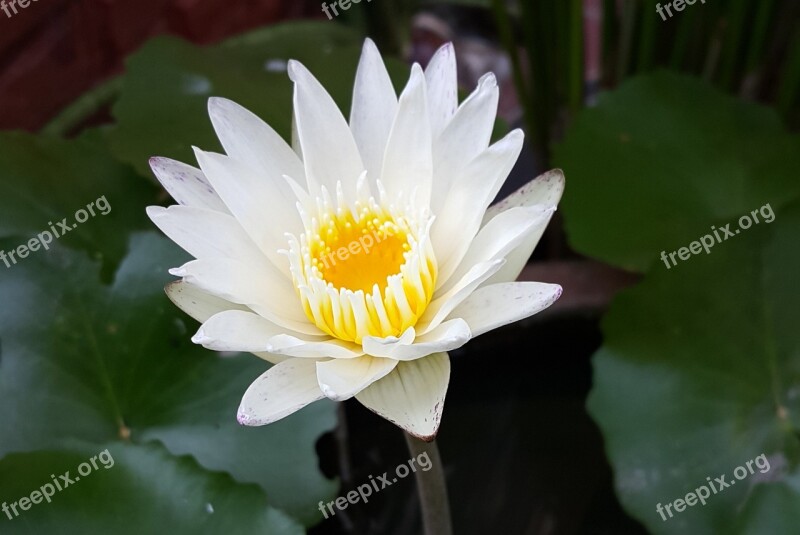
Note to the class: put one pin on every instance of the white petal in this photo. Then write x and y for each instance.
(206, 234)
(284, 389)
(265, 292)
(329, 150)
(374, 109)
(469, 197)
(408, 164)
(187, 185)
(547, 190)
(497, 239)
(196, 303)
(253, 142)
(305, 347)
(256, 202)
(236, 330)
(443, 304)
(493, 306)
(442, 80)
(446, 337)
(412, 396)
(465, 137)
(341, 379)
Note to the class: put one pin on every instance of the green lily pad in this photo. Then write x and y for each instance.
(46, 182)
(699, 374)
(663, 158)
(82, 361)
(130, 489)
(162, 110)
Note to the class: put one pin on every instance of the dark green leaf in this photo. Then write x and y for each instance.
(83, 361)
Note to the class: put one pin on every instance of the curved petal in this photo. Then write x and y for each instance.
(187, 185)
(264, 292)
(412, 396)
(446, 337)
(465, 137)
(441, 76)
(374, 109)
(497, 239)
(206, 234)
(469, 197)
(256, 202)
(196, 303)
(329, 150)
(248, 139)
(236, 330)
(293, 346)
(341, 379)
(493, 306)
(442, 305)
(408, 164)
(546, 190)
(284, 389)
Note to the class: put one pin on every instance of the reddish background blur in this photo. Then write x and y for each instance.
(54, 50)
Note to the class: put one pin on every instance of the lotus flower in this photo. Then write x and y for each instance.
(356, 258)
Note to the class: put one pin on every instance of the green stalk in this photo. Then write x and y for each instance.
(87, 105)
(576, 63)
(790, 84)
(626, 39)
(734, 37)
(505, 29)
(432, 488)
(647, 41)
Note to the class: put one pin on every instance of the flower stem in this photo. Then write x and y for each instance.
(432, 488)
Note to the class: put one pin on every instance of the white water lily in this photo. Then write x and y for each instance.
(356, 258)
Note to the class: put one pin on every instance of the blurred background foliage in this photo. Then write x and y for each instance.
(663, 128)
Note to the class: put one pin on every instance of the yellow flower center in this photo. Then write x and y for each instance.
(363, 271)
(357, 255)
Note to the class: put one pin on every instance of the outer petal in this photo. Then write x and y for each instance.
(206, 234)
(256, 202)
(501, 236)
(408, 164)
(374, 109)
(446, 337)
(546, 190)
(442, 81)
(187, 185)
(493, 306)
(412, 396)
(236, 330)
(341, 379)
(284, 389)
(469, 197)
(264, 292)
(293, 346)
(465, 137)
(329, 150)
(198, 304)
(441, 306)
(250, 140)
